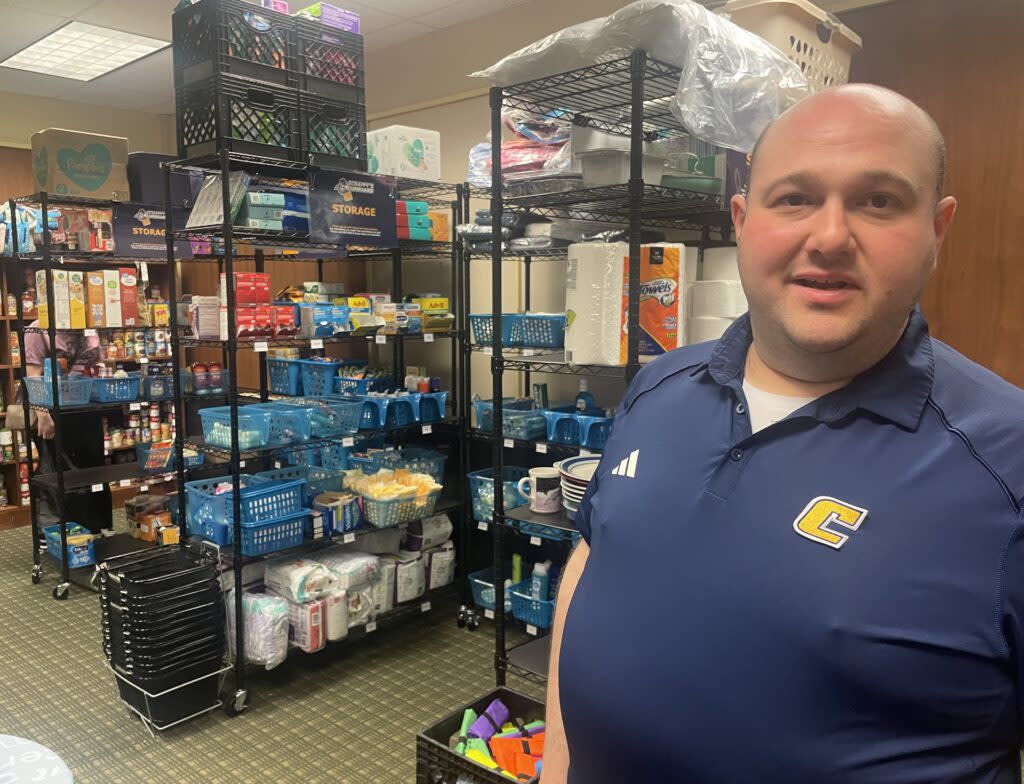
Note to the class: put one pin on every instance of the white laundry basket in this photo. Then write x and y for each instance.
(812, 38)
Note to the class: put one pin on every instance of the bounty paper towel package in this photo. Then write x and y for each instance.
(662, 301)
(593, 297)
(402, 151)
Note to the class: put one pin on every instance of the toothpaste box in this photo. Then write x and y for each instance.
(662, 300)
(129, 297)
(112, 298)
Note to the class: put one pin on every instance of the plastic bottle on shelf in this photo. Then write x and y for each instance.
(539, 582)
(584, 400)
(517, 568)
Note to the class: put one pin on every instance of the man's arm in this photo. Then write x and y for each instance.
(556, 749)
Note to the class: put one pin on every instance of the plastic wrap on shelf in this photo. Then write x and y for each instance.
(349, 568)
(546, 183)
(523, 244)
(265, 621)
(299, 579)
(733, 83)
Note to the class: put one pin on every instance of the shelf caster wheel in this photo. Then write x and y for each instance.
(473, 623)
(37, 574)
(462, 616)
(237, 704)
(60, 593)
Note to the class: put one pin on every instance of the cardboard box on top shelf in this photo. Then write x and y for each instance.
(403, 151)
(440, 225)
(73, 163)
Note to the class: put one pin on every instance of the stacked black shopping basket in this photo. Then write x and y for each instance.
(163, 632)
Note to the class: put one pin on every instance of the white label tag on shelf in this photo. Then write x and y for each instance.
(106, 452)
(482, 526)
(488, 351)
(260, 346)
(348, 441)
(531, 630)
(389, 448)
(425, 607)
(135, 407)
(349, 538)
(428, 337)
(316, 343)
(427, 430)
(535, 541)
(380, 340)
(143, 360)
(528, 352)
(277, 464)
(509, 443)
(241, 464)
(125, 482)
(542, 449)
(489, 614)
(96, 488)
(371, 627)
(144, 489)
(90, 333)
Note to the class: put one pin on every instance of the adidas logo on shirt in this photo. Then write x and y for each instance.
(628, 465)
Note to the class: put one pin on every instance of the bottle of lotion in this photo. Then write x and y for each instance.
(584, 400)
(539, 581)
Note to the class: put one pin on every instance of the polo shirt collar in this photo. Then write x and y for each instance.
(896, 388)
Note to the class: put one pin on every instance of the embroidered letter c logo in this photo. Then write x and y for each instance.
(816, 520)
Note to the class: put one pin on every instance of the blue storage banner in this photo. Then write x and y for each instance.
(352, 209)
(139, 232)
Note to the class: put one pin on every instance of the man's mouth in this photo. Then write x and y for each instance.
(827, 285)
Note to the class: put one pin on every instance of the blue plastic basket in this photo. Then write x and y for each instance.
(335, 457)
(362, 386)
(142, 457)
(253, 427)
(395, 511)
(117, 390)
(318, 377)
(78, 555)
(594, 430)
(481, 488)
(482, 327)
(482, 585)
(289, 423)
(261, 538)
(432, 406)
(73, 391)
(261, 499)
(484, 410)
(415, 459)
(157, 387)
(402, 410)
(563, 426)
(284, 376)
(535, 330)
(535, 612)
(333, 417)
(318, 480)
(317, 320)
(523, 425)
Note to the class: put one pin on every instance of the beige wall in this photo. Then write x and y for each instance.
(25, 114)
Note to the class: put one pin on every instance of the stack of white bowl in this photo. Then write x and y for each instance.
(576, 473)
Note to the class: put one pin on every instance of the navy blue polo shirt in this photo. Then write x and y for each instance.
(838, 598)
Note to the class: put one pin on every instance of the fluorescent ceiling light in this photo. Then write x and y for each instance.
(83, 51)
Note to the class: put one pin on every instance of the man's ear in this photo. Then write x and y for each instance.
(739, 213)
(944, 212)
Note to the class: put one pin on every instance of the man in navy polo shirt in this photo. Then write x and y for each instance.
(814, 571)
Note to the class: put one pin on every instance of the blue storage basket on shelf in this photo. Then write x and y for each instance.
(481, 488)
(289, 423)
(482, 586)
(318, 377)
(594, 430)
(157, 388)
(310, 456)
(331, 416)
(393, 512)
(535, 612)
(73, 390)
(433, 406)
(523, 425)
(539, 330)
(78, 555)
(284, 376)
(124, 389)
(253, 427)
(262, 538)
(415, 459)
(260, 499)
(562, 425)
(335, 457)
(482, 327)
(317, 480)
(484, 410)
(402, 410)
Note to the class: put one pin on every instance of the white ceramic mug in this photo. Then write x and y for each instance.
(545, 489)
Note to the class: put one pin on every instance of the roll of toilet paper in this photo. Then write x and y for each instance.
(721, 298)
(593, 299)
(690, 264)
(721, 264)
(703, 328)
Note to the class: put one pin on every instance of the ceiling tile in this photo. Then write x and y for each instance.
(409, 9)
(371, 18)
(146, 17)
(149, 80)
(22, 27)
(54, 7)
(34, 84)
(462, 11)
(396, 34)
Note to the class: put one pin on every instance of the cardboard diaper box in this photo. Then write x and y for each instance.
(73, 163)
(403, 151)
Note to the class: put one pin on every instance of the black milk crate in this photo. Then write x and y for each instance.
(235, 37)
(240, 115)
(331, 61)
(333, 132)
(437, 762)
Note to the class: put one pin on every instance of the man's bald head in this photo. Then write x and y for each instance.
(872, 99)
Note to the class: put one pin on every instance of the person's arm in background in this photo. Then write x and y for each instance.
(35, 350)
(44, 422)
(556, 749)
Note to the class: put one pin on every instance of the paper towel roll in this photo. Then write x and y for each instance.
(703, 328)
(593, 298)
(691, 264)
(721, 264)
(722, 298)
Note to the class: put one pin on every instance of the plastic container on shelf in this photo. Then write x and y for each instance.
(117, 389)
(432, 407)
(539, 330)
(331, 61)
(523, 425)
(482, 328)
(563, 426)
(284, 376)
(80, 550)
(289, 423)
(611, 167)
(262, 538)
(260, 499)
(335, 457)
(415, 459)
(594, 430)
(402, 410)
(482, 586)
(481, 488)
(253, 427)
(318, 376)
(484, 410)
(73, 391)
(811, 37)
(333, 131)
(318, 480)
(333, 417)
(535, 612)
(344, 385)
(388, 513)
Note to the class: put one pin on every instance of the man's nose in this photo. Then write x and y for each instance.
(830, 236)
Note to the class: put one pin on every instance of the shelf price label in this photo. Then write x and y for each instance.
(241, 464)
(316, 343)
(535, 541)
(135, 407)
(482, 526)
(425, 607)
(348, 441)
(144, 489)
(428, 337)
(427, 430)
(531, 630)
(98, 487)
(371, 627)
(381, 340)
(509, 443)
(143, 360)
(90, 333)
(277, 464)
(542, 449)
(349, 538)
(489, 614)
(260, 346)
(125, 482)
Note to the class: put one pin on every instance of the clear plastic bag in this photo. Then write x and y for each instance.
(733, 83)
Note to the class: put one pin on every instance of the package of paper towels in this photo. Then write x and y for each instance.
(662, 301)
(721, 264)
(593, 296)
(721, 298)
(704, 328)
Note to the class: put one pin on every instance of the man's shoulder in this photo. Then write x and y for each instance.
(669, 365)
(986, 411)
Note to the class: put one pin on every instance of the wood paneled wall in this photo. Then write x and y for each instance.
(15, 172)
(964, 63)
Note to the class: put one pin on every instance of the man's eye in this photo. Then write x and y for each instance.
(881, 201)
(792, 200)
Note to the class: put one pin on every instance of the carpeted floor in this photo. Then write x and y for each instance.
(348, 716)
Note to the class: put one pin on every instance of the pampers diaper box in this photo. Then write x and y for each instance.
(401, 151)
(72, 163)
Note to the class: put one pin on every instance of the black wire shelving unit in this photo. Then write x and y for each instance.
(632, 97)
(62, 481)
(451, 428)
